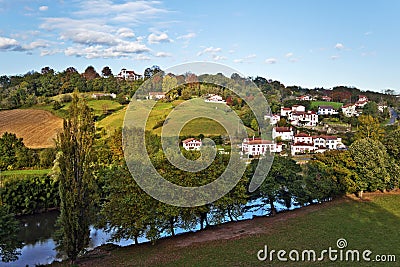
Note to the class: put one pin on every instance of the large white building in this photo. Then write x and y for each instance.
(301, 118)
(349, 110)
(129, 75)
(304, 143)
(326, 110)
(192, 144)
(285, 133)
(273, 119)
(257, 146)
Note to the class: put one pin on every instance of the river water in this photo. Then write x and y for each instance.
(39, 247)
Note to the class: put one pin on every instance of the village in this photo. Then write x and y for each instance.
(292, 139)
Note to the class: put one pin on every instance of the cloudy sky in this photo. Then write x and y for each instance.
(309, 43)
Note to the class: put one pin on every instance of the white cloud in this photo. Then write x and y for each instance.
(160, 38)
(334, 57)
(8, 43)
(209, 50)
(125, 33)
(368, 33)
(43, 8)
(142, 57)
(36, 44)
(96, 25)
(288, 55)
(218, 57)
(339, 46)
(186, 36)
(128, 12)
(271, 60)
(246, 59)
(163, 54)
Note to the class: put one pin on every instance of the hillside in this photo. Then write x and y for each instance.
(38, 128)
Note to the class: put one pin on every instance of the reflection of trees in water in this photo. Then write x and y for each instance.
(37, 227)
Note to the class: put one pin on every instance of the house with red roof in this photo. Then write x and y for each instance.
(192, 144)
(258, 147)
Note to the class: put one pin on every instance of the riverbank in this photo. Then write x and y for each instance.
(371, 223)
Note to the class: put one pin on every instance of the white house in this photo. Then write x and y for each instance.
(301, 148)
(349, 110)
(99, 95)
(326, 110)
(192, 144)
(304, 98)
(309, 118)
(273, 119)
(129, 75)
(326, 98)
(298, 108)
(303, 138)
(257, 146)
(285, 111)
(156, 95)
(215, 99)
(285, 133)
(327, 142)
(362, 98)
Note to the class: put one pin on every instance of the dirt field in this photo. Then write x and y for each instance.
(38, 128)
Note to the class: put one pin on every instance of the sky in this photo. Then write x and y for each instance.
(309, 43)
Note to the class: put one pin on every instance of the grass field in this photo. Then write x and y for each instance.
(25, 172)
(370, 224)
(38, 128)
(161, 110)
(335, 105)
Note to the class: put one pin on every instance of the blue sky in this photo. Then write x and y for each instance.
(310, 43)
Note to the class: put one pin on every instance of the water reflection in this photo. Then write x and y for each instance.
(39, 247)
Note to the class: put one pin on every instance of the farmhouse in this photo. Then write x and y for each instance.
(285, 133)
(215, 99)
(257, 146)
(285, 111)
(100, 95)
(273, 119)
(301, 118)
(156, 95)
(349, 110)
(191, 144)
(128, 75)
(326, 110)
(304, 98)
(326, 98)
(304, 143)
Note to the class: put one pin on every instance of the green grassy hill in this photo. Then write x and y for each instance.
(161, 110)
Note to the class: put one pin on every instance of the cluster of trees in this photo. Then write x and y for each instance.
(35, 87)
(15, 155)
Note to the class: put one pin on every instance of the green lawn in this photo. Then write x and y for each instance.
(98, 106)
(372, 225)
(24, 172)
(161, 110)
(335, 105)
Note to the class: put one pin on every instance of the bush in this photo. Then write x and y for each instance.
(29, 194)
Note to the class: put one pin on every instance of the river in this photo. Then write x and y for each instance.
(39, 247)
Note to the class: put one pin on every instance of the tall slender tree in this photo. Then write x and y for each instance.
(75, 161)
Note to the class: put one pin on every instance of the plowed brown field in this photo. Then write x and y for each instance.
(38, 128)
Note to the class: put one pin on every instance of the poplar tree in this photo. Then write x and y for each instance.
(75, 162)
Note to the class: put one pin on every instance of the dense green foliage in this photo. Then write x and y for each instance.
(30, 194)
(9, 244)
(76, 178)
